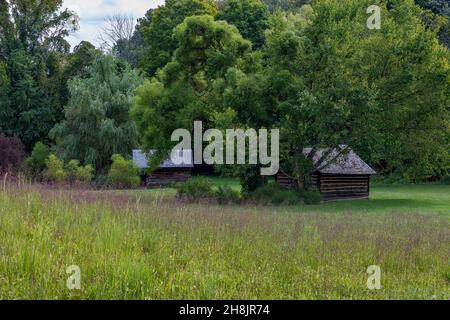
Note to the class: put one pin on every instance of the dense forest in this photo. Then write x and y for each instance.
(310, 68)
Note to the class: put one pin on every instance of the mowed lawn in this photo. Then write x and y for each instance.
(146, 244)
(421, 198)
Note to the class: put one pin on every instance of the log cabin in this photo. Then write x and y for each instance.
(167, 173)
(342, 175)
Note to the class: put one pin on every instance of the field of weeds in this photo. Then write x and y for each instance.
(128, 246)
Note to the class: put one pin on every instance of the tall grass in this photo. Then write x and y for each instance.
(153, 249)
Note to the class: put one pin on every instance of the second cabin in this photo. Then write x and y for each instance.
(342, 175)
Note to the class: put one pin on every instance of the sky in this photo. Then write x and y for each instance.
(93, 12)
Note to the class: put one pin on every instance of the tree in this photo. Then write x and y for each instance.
(158, 35)
(12, 153)
(118, 28)
(32, 50)
(133, 50)
(249, 16)
(441, 13)
(184, 89)
(332, 81)
(36, 162)
(78, 173)
(286, 5)
(97, 122)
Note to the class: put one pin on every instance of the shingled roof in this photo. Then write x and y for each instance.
(140, 159)
(340, 161)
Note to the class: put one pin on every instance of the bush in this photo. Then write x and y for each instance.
(36, 162)
(12, 153)
(286, 197)
(71, 169)
(226, 195)
(272, 193)
(196, 189)
(55, 169)
(85, 174)
(123, 173)
(311, 197)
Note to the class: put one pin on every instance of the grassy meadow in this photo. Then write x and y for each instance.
(147, 245)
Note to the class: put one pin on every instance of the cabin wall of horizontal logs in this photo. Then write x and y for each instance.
(335, 186)
(163, 178)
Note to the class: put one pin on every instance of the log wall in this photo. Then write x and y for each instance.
(335, 187)
(163, 178)
(287, 183)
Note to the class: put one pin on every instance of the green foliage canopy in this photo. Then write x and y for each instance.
(249, 16)
(97, 122)
(158, 35)
(32, 50)
(183, 90)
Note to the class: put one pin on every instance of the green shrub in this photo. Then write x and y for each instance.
(78, 173)
(55, 169)
(123, 173)
(286, 197)
(196, 189)
(226, 195)
(36, 162)
(272, 193)
(311, 197)
(85, 174)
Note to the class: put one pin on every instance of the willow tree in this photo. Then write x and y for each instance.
(97, 123)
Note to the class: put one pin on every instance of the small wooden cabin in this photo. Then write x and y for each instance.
(343, 175)
(167, 173)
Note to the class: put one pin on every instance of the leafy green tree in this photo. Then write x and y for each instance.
(12, 153)
(328, 80)
(32, 50)
(184, 89)
(249, 16)
(97, 122)
(384, 92)
(123, 173)
(158, 36)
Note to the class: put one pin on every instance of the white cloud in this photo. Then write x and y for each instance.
(93, 12)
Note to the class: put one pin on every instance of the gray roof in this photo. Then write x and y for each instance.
(140, 159)
(340, 161)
